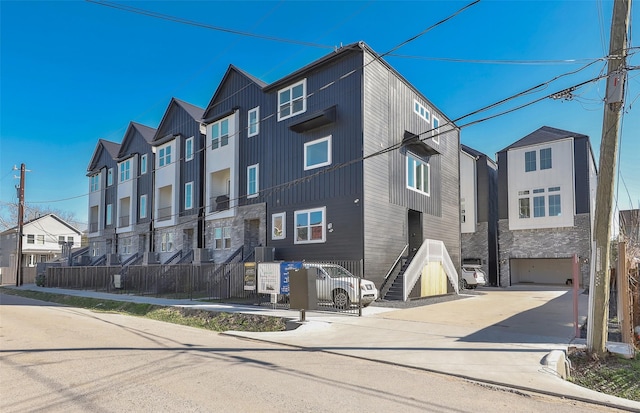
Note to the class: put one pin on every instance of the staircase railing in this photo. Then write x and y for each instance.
(188, 257)
(430, 251)
(99, 261)
(173, 257)
(393, 272)
(130, 260)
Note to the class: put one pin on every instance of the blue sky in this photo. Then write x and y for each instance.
(74, 71)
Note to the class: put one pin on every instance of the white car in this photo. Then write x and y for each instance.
(472, 277)
(335, 283)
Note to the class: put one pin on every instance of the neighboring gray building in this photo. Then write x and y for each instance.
(479, 211)
(546, 194)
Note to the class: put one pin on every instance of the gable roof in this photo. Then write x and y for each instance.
(193, 111)
(543, 135)
(227, 74)
(54, 216)
(146, 132)
(112, 149)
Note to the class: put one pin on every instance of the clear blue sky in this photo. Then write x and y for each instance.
(73, 71)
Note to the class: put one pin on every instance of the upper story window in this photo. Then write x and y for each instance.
(421, 110)
(220, 134)
(164, 156)
(188, 195)
(31, 239)
(125, 170)
(143, 164)
(530, 161)
(317, 153)
(143, 206)
(94, 183)
(545, 158)
(253, 127)
(310, 226)
(70, 240)
(436, 130)
(252, 181)
(188, 149)
(418, 174)
(60, 239)
(40, 240)
(110, 177)
(292, 100)
(109, 217)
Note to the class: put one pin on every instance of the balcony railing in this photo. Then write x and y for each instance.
(164, 214)
(124, 221)
(219, 203)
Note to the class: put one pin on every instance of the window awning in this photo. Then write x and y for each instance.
(315, 120)
(415, 144)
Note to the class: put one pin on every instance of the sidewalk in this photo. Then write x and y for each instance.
(500, 337)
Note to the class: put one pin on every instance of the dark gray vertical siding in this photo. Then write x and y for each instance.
(137, 144)
(110, 192)
(503, 186)
(582, 157)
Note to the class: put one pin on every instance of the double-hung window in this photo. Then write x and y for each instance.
(188, 195)
(418, 174)
(252, 181)
(253, 127)
(220, 134)
(545, 158)
(31, 239)
(40, 239)
(317, 153)
(164, 156)
(125, 170)
(530, 161)
(292, 100)
(310, 226)
(188, 149)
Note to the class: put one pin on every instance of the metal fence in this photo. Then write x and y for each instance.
(214, 282)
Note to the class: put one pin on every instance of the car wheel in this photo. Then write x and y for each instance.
(341, 299)
(464, 284)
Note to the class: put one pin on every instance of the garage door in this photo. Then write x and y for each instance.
(541, 270)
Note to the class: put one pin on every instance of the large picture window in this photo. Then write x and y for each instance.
(278, 226)
(317, 153)
(292, 100)
(418, 174)
(310, 226)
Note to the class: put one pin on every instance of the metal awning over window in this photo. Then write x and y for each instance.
(315, 120)
(415, 144)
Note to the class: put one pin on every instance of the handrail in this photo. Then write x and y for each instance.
(129, 260)
(186, 257)
(173, 257)
(234, 255)
(397, 261)
(429, 251)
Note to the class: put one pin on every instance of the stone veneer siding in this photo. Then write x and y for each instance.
(545, 243)
(475, 245)
(238, 231)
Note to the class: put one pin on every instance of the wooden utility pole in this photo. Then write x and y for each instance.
(599, 294)
(20, 226)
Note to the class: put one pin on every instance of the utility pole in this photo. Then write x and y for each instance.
(20, 226)
(600, 281)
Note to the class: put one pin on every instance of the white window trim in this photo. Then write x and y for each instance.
(257, 168)
(163, 158)
(283, 233)
(109, 211)
(436, 130)
(303, 82)
(329, 152)
(110, 177)
(125, 169)
(417, 159)
(143, 211)
(220, 135)
(324, 226)
(255, 110)
(188, 156)
(417, 110)
(143, 164)
(189, 200)
(94, 183)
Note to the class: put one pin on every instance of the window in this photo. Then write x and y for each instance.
(188, 149)
(420, 110)
(252, 181)
(125, 170)
(530, 161)
(554, 206)
(110, 177)
(108, 214)
(94, 183)
(222, 238)
(538, 206)
(436, 130)
(545, 158)
(164, 157)
(524, 211)
(31, 239)
(220, 134)
(166, 243)
(253, 127)
(310, 226)
(70, 240)
(143, 206)
(188, 195)
(60, 239)
(143, 164)
(317, 153)
(125, 245)
(40, 240)
(278, 225)
(292, 100)
(417, 174)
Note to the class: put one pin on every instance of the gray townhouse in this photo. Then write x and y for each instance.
(479, 211)
(546, 194)
(342, 159)
(178, 168)
(134, 193)
(102, 201)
